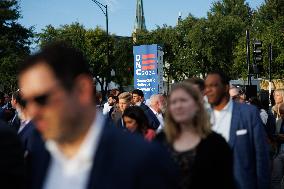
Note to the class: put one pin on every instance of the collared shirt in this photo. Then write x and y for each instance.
(160, 118)
(138, 103)
(221, 120)
(73, 173)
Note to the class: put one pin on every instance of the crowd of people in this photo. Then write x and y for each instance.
(56, 132)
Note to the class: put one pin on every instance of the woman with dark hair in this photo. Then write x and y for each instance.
(136, 121)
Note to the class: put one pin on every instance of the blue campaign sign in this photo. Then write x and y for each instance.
(146, 69)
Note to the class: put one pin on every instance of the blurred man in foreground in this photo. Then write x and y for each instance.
(80, 148)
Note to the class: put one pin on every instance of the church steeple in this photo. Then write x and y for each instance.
(139, 19)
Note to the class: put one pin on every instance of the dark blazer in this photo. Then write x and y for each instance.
(213, 163)
(250, 148)
(121, 161)
(153, 120)
(25, 136)
(11, 159)
(15, 122)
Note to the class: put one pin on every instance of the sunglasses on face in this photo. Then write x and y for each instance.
(41, 100)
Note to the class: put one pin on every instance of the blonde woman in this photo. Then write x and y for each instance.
(203, 157)
(278, 98)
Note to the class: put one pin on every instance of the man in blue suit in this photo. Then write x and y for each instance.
(76, 147)
(241, 126)
(138, 100)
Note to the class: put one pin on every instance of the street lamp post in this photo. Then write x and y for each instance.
(105, 11)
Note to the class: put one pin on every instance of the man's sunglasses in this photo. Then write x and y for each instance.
(40, 100)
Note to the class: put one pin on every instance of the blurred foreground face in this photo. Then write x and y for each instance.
(123, 104)
(52, 108)
(214, 89)
(278, 98)
(130, 124)
(182, 106)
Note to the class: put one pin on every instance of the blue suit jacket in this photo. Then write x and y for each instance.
(250, 148)
(26, 136)
(121, 161)
(153, 120)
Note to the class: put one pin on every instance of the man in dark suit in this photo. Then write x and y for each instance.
(15, 122)
(77, 147)
(11, 159)
(241, 126)
(138, 98)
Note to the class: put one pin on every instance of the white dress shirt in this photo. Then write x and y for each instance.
(73, 173)
(221, 120)
(106, 108)
(160, 118)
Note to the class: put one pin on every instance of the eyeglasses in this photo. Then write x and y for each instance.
(40, 100)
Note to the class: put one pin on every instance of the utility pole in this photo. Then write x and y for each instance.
(248, 56)
(270, 55)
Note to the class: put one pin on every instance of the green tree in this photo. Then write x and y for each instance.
(268, 26)
(122, 61)
(93, 43)
(14, 43)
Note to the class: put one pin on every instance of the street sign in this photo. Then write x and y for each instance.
(148, 69)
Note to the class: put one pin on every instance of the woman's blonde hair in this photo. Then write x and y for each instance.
(275, 108)
(200, 121)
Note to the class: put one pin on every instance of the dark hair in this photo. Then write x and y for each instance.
(136, 113)
(224, 78)
(113, 91)
(256, 102)
(66, 62)
(18, 97)
(138, 92)
(196, 81)
(110, 96)
(113, 97)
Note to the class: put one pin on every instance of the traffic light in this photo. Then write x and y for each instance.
(257, 57)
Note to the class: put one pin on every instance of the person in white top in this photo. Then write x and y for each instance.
(111, 101)
(158, 106)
